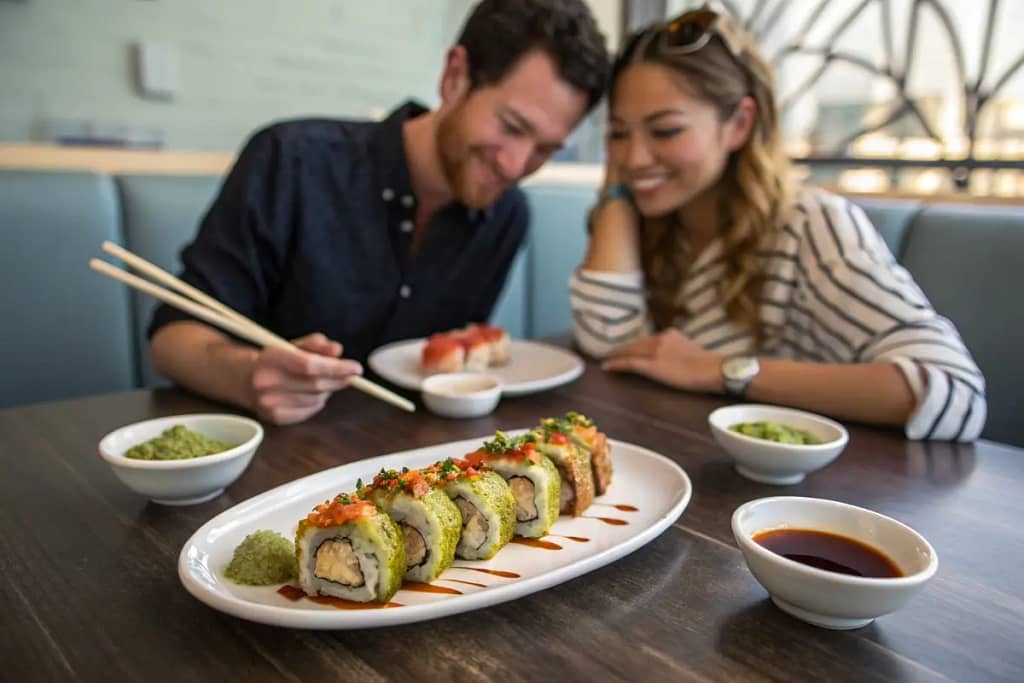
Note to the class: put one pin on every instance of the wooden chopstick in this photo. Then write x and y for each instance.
(243, 327)
(257, 334)
(157, 273)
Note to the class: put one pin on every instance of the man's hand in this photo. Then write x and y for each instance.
(289, 386)
(672, 358)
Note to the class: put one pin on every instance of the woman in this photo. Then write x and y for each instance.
(706, 271)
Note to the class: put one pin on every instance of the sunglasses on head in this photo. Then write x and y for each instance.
(691, 31)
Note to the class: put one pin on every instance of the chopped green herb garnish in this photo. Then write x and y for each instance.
(578, 418)
(502, 443)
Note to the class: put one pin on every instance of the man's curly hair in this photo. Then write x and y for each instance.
(499, 33)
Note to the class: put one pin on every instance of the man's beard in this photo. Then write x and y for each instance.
(455, 157)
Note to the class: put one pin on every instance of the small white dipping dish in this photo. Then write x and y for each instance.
(770, 462)
(461, 394)
(183, 482)
(824, 598)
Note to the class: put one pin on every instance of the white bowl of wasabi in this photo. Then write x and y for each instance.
(771, 462)
(188, 480)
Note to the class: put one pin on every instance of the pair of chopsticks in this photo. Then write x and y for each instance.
(214, 312)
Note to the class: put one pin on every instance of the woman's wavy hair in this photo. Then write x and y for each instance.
(756, 183)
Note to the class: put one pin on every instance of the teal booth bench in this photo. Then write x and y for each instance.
(69, 332)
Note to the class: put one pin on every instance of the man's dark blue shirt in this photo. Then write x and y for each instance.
(312, 232)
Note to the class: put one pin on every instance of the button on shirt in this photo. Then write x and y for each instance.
(312, 232)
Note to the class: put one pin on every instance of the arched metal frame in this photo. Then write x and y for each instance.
(764, 16)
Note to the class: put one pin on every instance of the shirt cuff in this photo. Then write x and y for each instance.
(632, 279)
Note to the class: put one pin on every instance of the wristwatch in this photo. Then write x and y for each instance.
(737, 374)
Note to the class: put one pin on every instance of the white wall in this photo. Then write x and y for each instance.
(242, 63)
(66, 65)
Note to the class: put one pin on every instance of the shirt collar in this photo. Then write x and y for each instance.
(391, 166)
(387, 147)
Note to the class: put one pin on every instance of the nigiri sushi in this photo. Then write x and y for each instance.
(441, 353)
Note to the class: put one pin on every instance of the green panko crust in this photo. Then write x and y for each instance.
(551, 503)
(177, 443)
(495, 494)
(262, 559)
(554, 492)
(385, 535)
(439, 506)
(383, 531)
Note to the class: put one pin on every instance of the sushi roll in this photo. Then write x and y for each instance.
(487, 507)
(573, 463)
(442, 354)
(532, 478)
(348, 548)
(498, 340)
(584, 434)
(477, 350)
(429, 522)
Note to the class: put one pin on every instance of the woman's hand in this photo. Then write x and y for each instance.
(672, 358)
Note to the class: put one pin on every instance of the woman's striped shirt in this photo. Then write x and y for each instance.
(833, 293)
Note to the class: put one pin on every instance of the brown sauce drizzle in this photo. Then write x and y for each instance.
(492, 572)
(620, 508)
(535, 543)
(418, 587)
(609, 520)
(468, 583)
(295, 593)
(578, 539)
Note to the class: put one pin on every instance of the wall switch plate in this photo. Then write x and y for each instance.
(157, 70)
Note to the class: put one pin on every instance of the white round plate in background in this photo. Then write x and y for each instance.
(532, 366)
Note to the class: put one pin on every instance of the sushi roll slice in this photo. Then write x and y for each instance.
(348, 548)
(532, 478)
(429, 522)
(441, 353)
(573, 463)
(477, 350)
(584, 434)
(498, 340)
(487, 507)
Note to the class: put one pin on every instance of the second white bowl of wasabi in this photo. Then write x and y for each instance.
(774, 445)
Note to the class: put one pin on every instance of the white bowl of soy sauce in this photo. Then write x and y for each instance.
(831, 564)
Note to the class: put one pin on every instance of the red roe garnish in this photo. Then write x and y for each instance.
(344, 508)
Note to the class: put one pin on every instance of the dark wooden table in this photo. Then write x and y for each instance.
(89, 587)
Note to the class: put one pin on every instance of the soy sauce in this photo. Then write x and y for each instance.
(828, 551)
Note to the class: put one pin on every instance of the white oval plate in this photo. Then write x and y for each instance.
(657, 487)
(532, 366)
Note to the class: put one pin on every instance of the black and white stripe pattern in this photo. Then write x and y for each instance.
(833, 294)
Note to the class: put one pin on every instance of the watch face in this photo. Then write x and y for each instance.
(740, 367)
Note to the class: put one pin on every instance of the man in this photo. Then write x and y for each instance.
(372, 232)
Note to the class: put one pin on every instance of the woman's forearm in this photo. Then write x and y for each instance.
(876, 393)
(614, 240)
